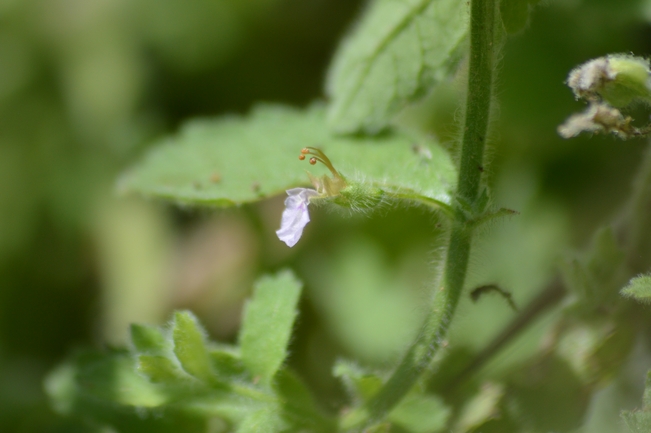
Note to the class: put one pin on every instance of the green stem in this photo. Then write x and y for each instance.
(434, 330)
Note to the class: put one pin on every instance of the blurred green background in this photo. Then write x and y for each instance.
(86, 85)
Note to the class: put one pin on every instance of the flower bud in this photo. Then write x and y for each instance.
(616, 79)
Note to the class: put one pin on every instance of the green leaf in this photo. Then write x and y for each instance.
(360, 384)
(190, 346)
(234, 160)
(266, 420)
(383, 427)
(106, 388)
(149, 339)
(298, 404)
(104, 377)
(228, 366)
(158, 368)
(421, 414)
(365, 302)
(268, 322)
(596, 278)
(639, 421)
(552, 402)
(294, 393)
(480, 408)
(399, 50)
(639, 288)
(515, 14)
(596, 350)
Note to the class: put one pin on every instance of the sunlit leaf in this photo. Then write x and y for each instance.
(268, 322)
(233, 160)
(398, 51)
(190, 346)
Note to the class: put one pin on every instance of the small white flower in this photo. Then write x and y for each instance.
(295, 216)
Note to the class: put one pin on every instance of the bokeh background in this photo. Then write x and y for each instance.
(86, 86)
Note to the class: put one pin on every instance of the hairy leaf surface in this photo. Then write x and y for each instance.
(268, 322)
(639, 288)
(399, 50)
(235, 160)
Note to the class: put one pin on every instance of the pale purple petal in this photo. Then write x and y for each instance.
(295, 216)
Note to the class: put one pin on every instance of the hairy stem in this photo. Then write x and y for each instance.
(478, 103)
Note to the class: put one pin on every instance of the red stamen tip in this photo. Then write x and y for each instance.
(301, 157)
(305, 150)
(312, 161)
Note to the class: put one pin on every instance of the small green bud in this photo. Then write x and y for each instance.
(616, 79)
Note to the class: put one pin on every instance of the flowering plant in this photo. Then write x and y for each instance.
(358, 331)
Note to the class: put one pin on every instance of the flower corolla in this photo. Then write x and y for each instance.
(295, 216)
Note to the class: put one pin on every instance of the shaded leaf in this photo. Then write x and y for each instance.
(398, 51)
(233, 160)
(639, 288)
(360, 384)
(639, 421)
(298, 404)
(364, 300)
(481, 408)
(268, 322)
(547, 395)
(596, 350)
(105, 377)
(107, 386)
(596, 278)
